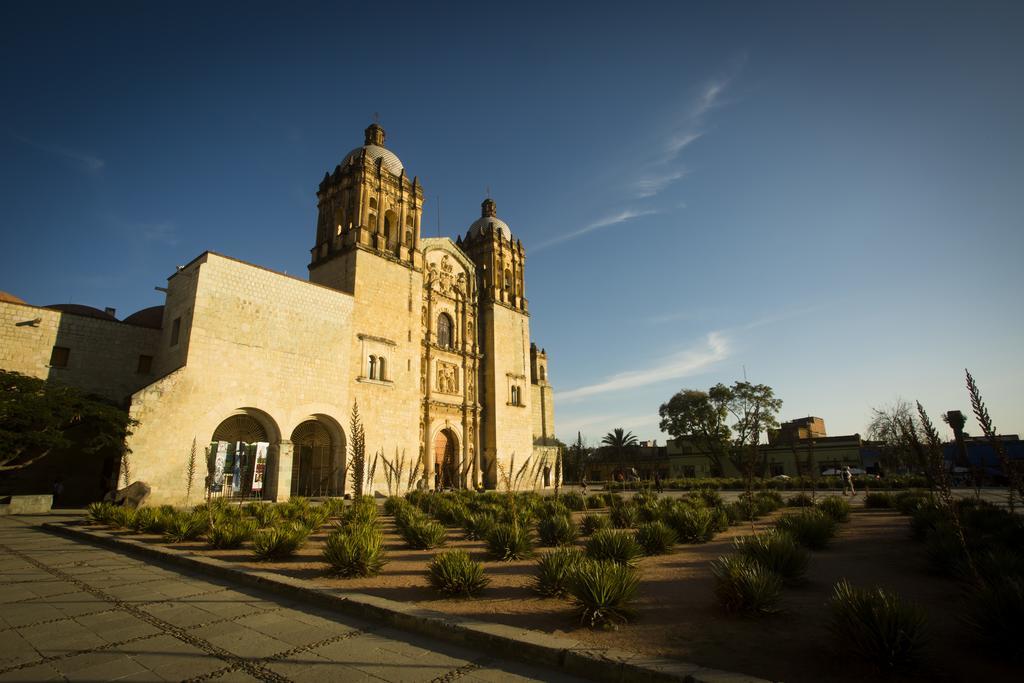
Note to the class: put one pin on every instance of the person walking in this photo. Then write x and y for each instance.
(848, 480)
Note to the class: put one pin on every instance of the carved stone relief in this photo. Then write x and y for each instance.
(447, 378)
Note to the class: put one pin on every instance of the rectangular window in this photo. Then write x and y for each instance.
(145, 365)
(689, 471)
(175, 331)
(59, 357)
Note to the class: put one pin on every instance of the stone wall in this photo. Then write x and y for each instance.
(259, 343)
(103, 357)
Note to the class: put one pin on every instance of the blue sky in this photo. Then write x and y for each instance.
(827, 195)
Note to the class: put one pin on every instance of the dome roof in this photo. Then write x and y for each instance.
(10, 298)
(79, 309)
(374, 147)
(148, 317)
(489, 219)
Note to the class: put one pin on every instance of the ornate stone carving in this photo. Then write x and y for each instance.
(447, 378)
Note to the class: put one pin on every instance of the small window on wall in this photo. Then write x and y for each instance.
(542, 377)
(372, 374)
(382, 369)
(515, 399)
(59, 357)
(175, 331)
(145, 365)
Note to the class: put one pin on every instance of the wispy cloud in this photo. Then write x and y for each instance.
(613, 219)
(713, 349)
(651, 185)
(86, 162)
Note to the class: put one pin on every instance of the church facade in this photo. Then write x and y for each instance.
(259, 373)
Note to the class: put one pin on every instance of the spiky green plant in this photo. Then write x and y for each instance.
(476, 525)
(423, 534)
(231, 533)
(100, 513)
(122, 517)
(555, 570)
(355, 551)
(800, 500)
(624, 515)
(279, 542)
(614, 545)
(878, 627)
(186, 526)
(575, 501)
(603, 592)
(743, 586)
(556, 530)
(656, 538)
(692, 524)
(264, 515)
(455, 573)
(811, 527)
(592, 523)
(776, 551)
(835, 507)
(509, 541)
(595, 501)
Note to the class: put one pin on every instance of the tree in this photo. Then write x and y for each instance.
(699, 417)
(38, 417)
(620, 442)
(755, 409)
(892, 426)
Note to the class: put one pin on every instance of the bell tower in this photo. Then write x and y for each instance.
(367, 203)
(506, 426)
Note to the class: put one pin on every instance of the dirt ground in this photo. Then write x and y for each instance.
(677, 616)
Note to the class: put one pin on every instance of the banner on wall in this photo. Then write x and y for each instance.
(236, 467)
(260, 466)
(218, 466)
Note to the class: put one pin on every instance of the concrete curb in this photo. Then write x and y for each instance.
(533, 647)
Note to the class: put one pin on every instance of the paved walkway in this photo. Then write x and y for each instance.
(71, 611)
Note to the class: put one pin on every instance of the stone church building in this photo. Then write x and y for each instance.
(429, 337)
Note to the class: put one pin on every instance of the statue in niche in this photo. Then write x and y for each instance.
(447, 378)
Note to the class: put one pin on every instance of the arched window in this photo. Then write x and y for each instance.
(408, 238)
(508, 280)
(445, 338)
(382, 369)
(515, 395)
(542, 372)
(373, 367)
(373, 203)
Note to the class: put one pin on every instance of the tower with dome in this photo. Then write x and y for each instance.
(261, 372)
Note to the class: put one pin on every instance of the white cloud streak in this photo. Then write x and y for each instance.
(649, 186)
(713, 349)
(87, 162)
(613, 219)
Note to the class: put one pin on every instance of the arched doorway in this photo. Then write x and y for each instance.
(238, 457)
(317, 460)
(446, 459)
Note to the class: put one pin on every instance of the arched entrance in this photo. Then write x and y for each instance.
(318, 467)
(238, 457)
(446, 459)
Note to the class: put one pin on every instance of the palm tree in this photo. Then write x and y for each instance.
(620, 442)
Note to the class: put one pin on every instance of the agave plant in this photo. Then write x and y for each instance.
(509, 541)
(656, 538)
(279, 542)
(556, 530)
(356, 551)
(883, 630)
(423, 534)
(455, 573)
(744, 586)
(811, 527)
(777, 552)
(231, 533)
(614, 546)
(186, 526)
(555, 570)
(603, 591)
(592, 523)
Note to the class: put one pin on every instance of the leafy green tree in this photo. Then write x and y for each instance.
(38, 417)
(699, 418)
(894, 427)
(755, 410)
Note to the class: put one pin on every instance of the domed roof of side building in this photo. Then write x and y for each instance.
(10, 298)
(79, 309)
(374, 147)
(148, 317)
(489, 219)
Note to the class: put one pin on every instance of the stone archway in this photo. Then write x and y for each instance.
(239, 452)
(446, 459)
(318, 459)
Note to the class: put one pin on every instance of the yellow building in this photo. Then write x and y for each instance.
(429, 337)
